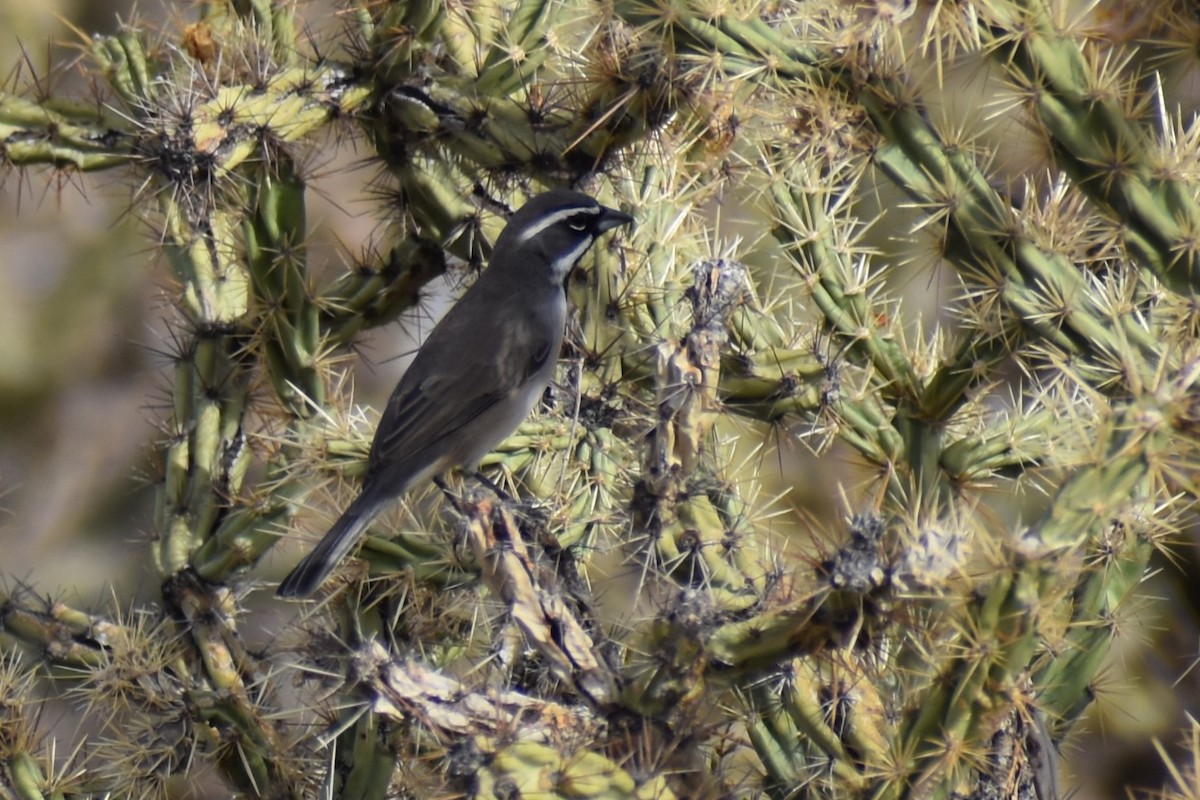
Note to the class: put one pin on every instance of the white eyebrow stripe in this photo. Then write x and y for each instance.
(557, 217)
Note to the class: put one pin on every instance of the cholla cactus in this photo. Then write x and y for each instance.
(642, 619)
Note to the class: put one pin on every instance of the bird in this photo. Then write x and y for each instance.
(479, 373)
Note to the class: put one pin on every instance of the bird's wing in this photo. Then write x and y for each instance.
(442, 398)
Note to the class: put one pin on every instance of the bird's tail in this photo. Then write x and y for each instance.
(316, 566)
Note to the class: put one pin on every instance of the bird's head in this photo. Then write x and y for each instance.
(552, 231)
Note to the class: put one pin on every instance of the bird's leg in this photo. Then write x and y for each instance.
(451, 497)
(486, 481)
(528, 509)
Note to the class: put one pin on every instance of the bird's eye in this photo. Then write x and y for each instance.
(577, 225)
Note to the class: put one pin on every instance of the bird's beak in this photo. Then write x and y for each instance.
(610, 218)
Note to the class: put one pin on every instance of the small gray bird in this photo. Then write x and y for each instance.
(479, 373)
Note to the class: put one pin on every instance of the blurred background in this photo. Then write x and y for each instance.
(83, 324)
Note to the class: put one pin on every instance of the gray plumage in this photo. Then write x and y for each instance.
(480, 371)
